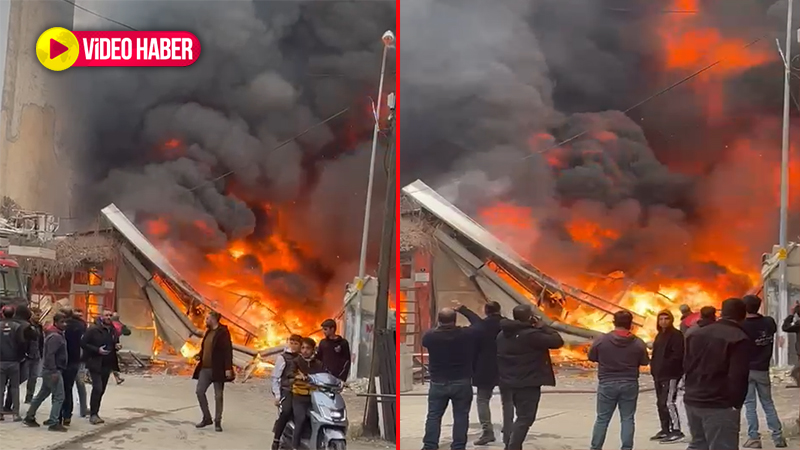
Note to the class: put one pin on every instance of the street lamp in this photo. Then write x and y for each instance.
(388, 44)
(783, 282)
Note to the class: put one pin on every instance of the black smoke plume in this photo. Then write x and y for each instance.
(160, 140)
(490, 88)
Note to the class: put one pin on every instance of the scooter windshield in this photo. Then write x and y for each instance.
(324, 380)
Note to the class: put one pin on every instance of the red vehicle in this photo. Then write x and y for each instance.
(12, 286)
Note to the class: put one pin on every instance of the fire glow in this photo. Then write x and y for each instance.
(697, 260)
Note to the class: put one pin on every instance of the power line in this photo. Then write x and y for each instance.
(96, 14)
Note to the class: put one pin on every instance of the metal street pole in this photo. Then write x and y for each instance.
(783, 287)
(371, 426)
(388, 43)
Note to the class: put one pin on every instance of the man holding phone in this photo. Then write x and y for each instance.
(100, 347)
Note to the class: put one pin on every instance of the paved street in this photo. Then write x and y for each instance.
(565, 420)
(160, 413)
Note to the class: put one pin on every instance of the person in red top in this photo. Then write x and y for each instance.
(688, 318)
(122, 330)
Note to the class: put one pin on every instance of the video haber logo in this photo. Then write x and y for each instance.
(59, 49)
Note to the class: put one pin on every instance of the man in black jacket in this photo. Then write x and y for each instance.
(334, 351)
(761, 330)
(451, 359)
(12, 347)
(73, 334)
(717, 365)
(484, 376)
(282, 386)
(524, 366)
(99, 345)
(214, 366)
(666, 367)
(30, 347)
(792, 325)
(618, 354)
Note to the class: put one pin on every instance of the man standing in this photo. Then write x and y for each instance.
(485, 376)
(122, 330)
(83, 374)
(33, 363)
(99, 345)
(215, 367)
(334, 351)
(717, 367)
(30, 347)
(54, 361)
(12, 347)
(451, 358)
(792, 325)
(618, 355)
(688, 318)
(667, 370)
(761, 331)
(73, 334)
(282, 386)
(524, 366)
(708, 315)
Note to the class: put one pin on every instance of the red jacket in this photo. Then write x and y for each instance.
(689, 320)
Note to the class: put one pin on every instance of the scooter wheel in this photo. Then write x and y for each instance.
(337, 445)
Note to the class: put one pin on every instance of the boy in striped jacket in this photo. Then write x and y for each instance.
(303, 365)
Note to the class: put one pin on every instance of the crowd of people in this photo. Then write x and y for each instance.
(63, 354)
(705, 371)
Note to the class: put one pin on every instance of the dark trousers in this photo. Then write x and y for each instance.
(284, 414)
(613, 395)
(524, 402)
(99, 384)
(28, 375)
(713, 429)
(301, 405)
(70, 375)
(666, 396)
(203, 383)
(9, 379)
(458, 392)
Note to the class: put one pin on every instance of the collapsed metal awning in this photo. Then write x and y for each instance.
(475, 249)
(171, 297)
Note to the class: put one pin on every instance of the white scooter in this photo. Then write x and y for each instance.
(327, 425)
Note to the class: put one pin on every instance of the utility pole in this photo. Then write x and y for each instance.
(371, 426)
(783, 281)
(388, 44)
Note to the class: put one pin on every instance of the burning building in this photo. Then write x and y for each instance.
(247, 173)
(631, 151)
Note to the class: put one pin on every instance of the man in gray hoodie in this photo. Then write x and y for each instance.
(54, 362)
(619, 355)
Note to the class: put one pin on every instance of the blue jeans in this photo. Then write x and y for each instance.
(52, 383)
(622, 394)
(760, 387)
(439, 395)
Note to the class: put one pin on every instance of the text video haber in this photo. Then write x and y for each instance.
(119, 49)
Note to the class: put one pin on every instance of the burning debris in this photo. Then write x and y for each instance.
(670, 202)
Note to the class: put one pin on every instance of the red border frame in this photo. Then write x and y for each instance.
(397, 217)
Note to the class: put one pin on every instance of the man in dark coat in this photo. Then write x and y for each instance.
(451, 360)
(74, 330)
(99, 346)
(717, 365)
(54, 361)
(30, 353)
(524, 366)
(666, 367)
(708, 315)
(334, 351)
(215, 366)
(792, 325)
(484, 376)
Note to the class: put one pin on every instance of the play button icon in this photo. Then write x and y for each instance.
(57, 48)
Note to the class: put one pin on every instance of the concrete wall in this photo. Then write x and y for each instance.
(38, 129)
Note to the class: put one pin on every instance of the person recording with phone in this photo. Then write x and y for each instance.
(100, 345)
(792, 325)
(524, 366)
